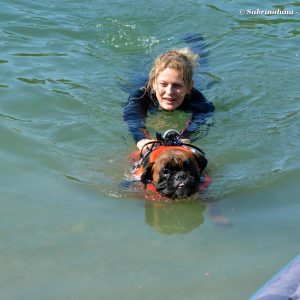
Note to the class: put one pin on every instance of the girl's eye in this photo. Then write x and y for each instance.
(163, 84)
(165, 172)
(177, 86)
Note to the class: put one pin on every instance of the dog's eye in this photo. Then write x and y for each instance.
(187, 164)
(165, 172)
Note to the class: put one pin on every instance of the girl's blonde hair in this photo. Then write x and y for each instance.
(183, 60)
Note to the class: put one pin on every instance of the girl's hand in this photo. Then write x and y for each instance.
(143, 142)
(185, 141)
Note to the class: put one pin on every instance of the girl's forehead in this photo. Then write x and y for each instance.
(170, 74)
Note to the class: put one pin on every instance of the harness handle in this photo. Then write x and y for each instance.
(195, 147)
(173, 140)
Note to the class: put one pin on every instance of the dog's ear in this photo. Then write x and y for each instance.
(147, 174)
(202, 161)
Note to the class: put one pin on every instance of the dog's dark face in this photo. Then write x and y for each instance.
(175, 173)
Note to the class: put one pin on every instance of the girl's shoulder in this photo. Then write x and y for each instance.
(144, 98)
(197, 103)
(138, 94)
(196, 95)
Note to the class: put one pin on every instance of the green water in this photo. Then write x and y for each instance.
(67, 231)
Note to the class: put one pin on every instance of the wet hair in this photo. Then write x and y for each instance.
(183, 60)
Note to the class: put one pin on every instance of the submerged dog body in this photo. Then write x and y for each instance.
(175, 171)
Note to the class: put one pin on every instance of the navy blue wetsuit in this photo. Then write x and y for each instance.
(141, 102)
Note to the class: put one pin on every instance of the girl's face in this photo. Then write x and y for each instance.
(170, 89)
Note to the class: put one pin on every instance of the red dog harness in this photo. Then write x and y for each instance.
(139, 166)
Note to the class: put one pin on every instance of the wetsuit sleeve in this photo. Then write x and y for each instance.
(135, 113)
(201, 119)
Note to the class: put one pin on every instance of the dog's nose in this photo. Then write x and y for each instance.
(180, 176)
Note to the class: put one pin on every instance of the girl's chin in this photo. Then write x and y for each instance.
(168, 106)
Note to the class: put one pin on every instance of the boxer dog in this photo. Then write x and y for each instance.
(174, 169)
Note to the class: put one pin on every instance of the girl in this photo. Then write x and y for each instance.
(170, 87)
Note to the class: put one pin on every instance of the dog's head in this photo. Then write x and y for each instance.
(175, 173)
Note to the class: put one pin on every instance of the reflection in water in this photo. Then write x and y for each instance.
(172, 218)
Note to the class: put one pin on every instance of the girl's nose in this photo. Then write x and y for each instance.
(169, 89)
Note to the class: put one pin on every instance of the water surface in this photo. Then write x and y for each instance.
(67, 231)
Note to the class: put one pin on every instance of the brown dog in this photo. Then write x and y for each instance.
(175, 171)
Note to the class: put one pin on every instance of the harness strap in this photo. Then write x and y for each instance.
(151, 155)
